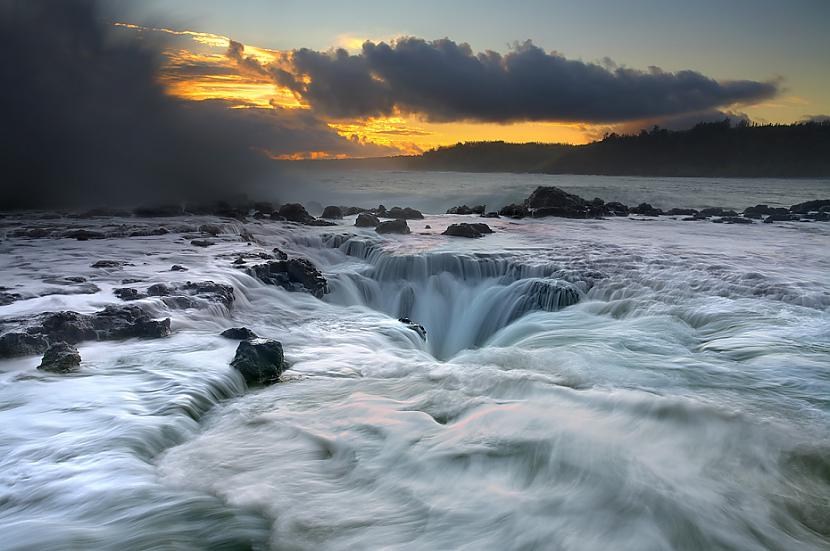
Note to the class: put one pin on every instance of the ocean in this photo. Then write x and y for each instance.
(628, 383)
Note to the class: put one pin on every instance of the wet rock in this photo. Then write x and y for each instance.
(159, 290)
(645, 209)
(177, 268)
(405, 213)
(735, 220)
(781, 218)
(263, 207)
(84, 235)
(128, 293)
(332, 213)
(615, 208)
(75, 279)
(32, 233)
(552, 201)
(7, 297)
(468, 230)
(810, 206)
(279, 254)
(202, 243)
(716, 211)
(207, 290)
(757, 211)
(398, 225)
(210, 229)
(22, 344)
(296, 274)
(351, 211)
(514, 211)
(108, 264)
(417, 327)
(239, 261)
(682, 212)
(60, 357)
(239, 334)
(427, 227)
(492, 214)
(366, 220)
(295, 212)
(260, 361)
(464, 209)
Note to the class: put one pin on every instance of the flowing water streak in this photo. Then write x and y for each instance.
(658, 394)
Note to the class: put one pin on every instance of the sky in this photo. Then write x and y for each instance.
(784, 44)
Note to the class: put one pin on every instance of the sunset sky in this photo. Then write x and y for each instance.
(380, 78)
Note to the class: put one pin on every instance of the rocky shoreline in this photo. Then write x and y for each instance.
(261, 360)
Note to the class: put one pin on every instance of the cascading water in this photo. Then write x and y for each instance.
(614, 391)
(461, 300)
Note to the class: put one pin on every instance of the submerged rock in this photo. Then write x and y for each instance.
(61, 357)
(210, 229)
(202, 243)
(810, 206)
(417, 327)
(128, 293)
(239, 334)
(468, 230)
(366, 220)
(108, 264)
(177, 268)
(681, 212)
(84, 235)
(398, 225)
(260, 361)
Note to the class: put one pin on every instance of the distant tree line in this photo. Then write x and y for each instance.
(708, 149)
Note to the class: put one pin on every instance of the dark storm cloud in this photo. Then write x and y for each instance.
(85, 120)
(447, 81)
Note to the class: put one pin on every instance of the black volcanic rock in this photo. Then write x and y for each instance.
(514, 211)
(260, 361)
(716, 211)
(417, 327)
(60, 357)
(128, 293)
(467, 230)
(552, 201)
(405, 213)
(615, 208)
(810, 206)
(108, 264)
(645, 209)
(681, 212)
(332, 213)
(393, 226)
(296, 274)
(366, 220)
(177, 268)
(239, 334)
(22, 344)
(464, 209)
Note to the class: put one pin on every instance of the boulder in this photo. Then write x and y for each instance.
(159, 290)
(263, 207)
(260, 361)
(417, 327)
(107, 264)
(716, 211)
(366, 220)
(60, 357)
(405, 213)
(467, 230)
(22, 344)
(550, 196)
(279, 254)
(810, 206)
(393, 226)
(295, 212)
(239, 334)
(177, 268)
(351, 211)
(296, 274)
(332, 213)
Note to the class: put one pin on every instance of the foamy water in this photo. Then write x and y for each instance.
(611, 384)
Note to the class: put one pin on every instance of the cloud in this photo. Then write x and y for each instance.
(446, 81)
(85, 119)
(815, 118)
